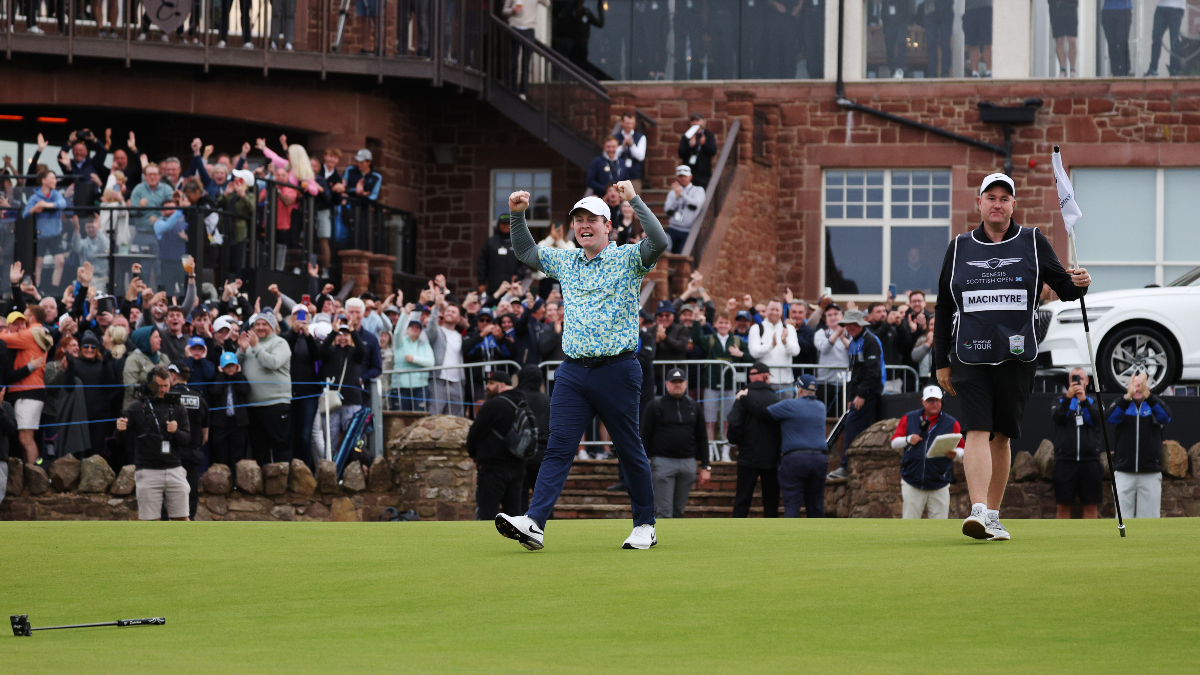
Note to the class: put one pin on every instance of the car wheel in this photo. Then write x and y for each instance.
(1137, 349)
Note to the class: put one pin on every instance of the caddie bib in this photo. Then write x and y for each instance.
(995, 288)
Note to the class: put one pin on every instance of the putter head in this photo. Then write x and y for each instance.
(20, 625)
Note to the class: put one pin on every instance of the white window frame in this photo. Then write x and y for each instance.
(494, 216)
(1160, 228)
(886, 222)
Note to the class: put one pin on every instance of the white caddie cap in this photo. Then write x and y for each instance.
(997, 178)
(932, 391)
(683, 170)
(593, 205)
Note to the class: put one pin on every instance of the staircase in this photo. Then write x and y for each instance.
(585, 497)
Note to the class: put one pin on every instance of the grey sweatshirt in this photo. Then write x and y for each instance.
(653, 246)
(268, 367)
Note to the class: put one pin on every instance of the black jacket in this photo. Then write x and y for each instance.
(906, 339)
(529, 383)
(647, 349)
(1076, 429)
(1139, 434)
(526, 348)
(674, 427)
(494, 417)
(887, 334)
(754, 430)
(306, 351)
(674, 346)
(147, 429)
(866, 365)
(218, 396)
(8, 428)
(704, 152)
(334, 358)
(494, 267)
(197, 412)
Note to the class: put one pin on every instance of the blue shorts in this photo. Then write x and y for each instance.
(366, 8)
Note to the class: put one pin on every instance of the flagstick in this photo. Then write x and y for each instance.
(1087, 331)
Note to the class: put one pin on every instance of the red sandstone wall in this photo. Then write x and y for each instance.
(1099, 123)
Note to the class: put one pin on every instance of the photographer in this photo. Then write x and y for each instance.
(155, 430)
(1139, 417)
(1077, 468)
(192, 453)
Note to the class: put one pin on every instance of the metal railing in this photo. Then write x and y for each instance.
(560, 90)
(714, 199)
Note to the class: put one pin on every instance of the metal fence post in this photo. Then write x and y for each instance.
(377, 413)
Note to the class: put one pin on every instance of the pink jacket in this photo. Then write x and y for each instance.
(282, 162)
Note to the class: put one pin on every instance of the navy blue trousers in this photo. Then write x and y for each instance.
(802, 481)
(614, 392)
(856, 422)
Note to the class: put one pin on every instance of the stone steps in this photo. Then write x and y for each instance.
(585, 496)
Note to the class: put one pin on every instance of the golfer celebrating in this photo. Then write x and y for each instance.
(984, 343)
(601, 284)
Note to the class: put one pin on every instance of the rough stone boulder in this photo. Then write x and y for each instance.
(124, 484)
(301, 480)
(275, 478)
(216, 481)
(878, 435)
(95, 475)
(440, 431)
(64, 473)
(343, 510)
(353, 479)
(36, 480)
(380, 478)
(249, 477)
(1193, 456)
(16, 476)
(1174, 459)
(1024, 468)
(283, 512)
(1044, 459)
(327, 477)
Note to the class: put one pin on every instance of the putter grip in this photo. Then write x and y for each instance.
(156, 621)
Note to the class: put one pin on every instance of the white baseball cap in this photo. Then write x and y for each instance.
(593, 205)
(997, 178)
(222, 323)
(246, 176)
(683, 170)
(932, 391)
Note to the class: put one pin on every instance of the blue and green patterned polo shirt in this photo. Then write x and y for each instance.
(601, 297)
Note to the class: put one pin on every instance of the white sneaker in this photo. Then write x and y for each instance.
(995, 529)
(642, 538)
(166, 38)
(975, 526)
(273, 45)
(521, 528)
(725, 453)
(899, 74)
(287, 46)
(248, 45)
(141, 37)
(837, 474)
(220, 44)
(35, 30)
(583, 454)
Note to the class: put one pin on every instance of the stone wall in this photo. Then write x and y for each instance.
(425, 469)
(873, 488)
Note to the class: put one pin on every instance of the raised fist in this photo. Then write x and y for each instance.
(625, 187)
(518, 201)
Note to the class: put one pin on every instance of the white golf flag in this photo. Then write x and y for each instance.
(1066, 195)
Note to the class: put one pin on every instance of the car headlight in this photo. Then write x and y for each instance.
(1076, 315)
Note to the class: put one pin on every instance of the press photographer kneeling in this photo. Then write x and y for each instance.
(155, 429)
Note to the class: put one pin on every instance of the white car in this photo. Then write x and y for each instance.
(1151, 330)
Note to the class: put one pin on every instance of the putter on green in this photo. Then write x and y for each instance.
(21, 627)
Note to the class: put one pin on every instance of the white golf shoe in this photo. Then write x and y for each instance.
(642, 538)
(995, 529)
(975, 526)
(521, 528)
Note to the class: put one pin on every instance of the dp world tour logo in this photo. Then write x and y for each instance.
(993, 263)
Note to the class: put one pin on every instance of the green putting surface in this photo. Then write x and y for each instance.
(728, 596)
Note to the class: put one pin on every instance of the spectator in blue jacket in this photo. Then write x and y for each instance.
(867, 377)
(88, 183)
(372, 360)
(1139, 418)
(805, 453)
(47, 203)
(203, 370)
(925, 481)
(359, 179)
(171, 232)
(606, 169)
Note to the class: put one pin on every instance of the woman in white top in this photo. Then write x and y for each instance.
(113, 214)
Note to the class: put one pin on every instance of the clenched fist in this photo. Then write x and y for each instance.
(518, 201)
(625, 187)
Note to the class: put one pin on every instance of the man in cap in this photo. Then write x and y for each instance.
(676, 441)
(925, 481)
(203, 371)
(601, 283)
(755, 432)
(867, 377)
(191, 454)
(306, 352)
(670, 336)
(683, 205)
(497, 261)
(984, 343)
(804, 455)
(267, 362)
(360, 179)
(499, 473)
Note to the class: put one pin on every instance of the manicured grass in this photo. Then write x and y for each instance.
(757, 596)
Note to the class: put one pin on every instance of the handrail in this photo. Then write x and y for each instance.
(718, 183)
(553, 57)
